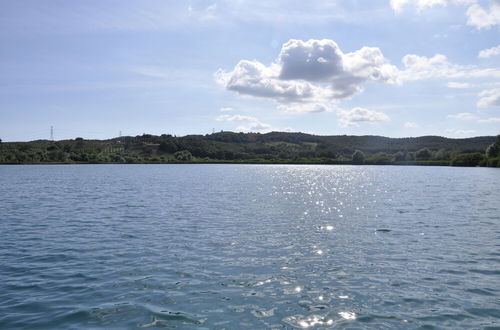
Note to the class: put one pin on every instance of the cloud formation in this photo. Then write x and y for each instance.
(318, 72)
(315, 75)
(357, 116)
(315, 72)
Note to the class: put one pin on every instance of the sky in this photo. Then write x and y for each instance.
(101, 68)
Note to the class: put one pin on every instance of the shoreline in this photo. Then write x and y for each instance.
(431, 164)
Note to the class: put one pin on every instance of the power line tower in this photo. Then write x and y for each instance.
(52, 133)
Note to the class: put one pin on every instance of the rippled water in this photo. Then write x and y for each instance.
(242, 246)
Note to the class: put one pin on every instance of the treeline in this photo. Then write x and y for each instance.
(274, 147)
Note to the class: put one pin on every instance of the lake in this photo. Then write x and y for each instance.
(249, 246)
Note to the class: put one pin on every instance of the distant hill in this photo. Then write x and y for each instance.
(243, 147)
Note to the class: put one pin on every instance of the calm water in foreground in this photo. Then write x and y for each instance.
(243, 246)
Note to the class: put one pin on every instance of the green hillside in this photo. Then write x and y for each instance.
(274, 147)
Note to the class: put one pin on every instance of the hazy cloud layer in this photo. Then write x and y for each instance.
(399, 5)
(479, 16)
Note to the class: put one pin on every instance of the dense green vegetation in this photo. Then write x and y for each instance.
(274, 147)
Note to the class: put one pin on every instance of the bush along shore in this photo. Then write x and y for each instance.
(255, 148)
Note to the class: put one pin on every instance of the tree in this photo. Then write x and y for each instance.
(168, 146)
(399, 156)
(493, 149)
(441, 154)
(183, 155)
(358, 157)
(423, 154)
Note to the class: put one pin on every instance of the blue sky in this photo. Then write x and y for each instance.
(395, 68)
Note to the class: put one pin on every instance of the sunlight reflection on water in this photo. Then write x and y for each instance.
(248, 246)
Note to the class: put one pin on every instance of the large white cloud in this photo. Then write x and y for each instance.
(357, 116)
(314, 71)
(489, 98)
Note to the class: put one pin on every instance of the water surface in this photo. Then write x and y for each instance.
(249, 246)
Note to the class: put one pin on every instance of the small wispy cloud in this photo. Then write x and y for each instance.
(226, 109)
(357, 116)
(411, 124)
(463, 116)
(456, 131)
(489, 98)
(248, 123)
(304, 108)
(459, 85)
(490, 120)
(489, 52)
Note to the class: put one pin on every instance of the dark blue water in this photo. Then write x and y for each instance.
(242, 246)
